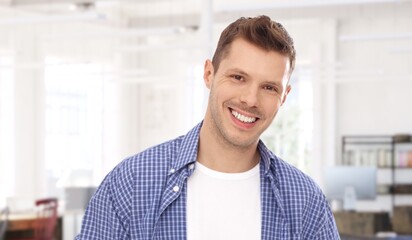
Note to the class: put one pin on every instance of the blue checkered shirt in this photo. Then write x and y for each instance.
(144, 197)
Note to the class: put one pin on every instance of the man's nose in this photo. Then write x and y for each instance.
(250, 96)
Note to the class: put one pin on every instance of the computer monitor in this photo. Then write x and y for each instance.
(349, 184)
(77, 198)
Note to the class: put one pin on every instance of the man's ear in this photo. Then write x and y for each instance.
(208, 73)
(288, 88)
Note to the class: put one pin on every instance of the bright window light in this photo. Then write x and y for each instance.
(6, 128)
(74, 116)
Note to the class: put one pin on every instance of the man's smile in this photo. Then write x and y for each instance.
(243, 118)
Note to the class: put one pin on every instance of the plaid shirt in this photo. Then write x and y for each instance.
(144, 197)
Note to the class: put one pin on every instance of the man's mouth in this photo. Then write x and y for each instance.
(243, 118)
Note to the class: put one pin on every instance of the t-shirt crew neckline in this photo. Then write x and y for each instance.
(227, 176)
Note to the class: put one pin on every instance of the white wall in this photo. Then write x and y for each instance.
(375, 108)
(373, 84)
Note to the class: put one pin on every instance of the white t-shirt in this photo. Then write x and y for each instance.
(223, 205)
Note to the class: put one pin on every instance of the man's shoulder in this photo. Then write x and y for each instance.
(149, 166)
(304, 203)
(161, 158)
(292, 181)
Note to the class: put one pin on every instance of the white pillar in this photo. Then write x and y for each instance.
(6, 129)
(206, 26)
(29, 109)
(206, 29)
(325, 101)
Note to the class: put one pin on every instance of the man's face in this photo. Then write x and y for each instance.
(245, 93)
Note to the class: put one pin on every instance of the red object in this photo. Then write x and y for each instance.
(46, 219)
(45, 223)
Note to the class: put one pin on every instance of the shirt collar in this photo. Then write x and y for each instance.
(267, 157)
(189, 148)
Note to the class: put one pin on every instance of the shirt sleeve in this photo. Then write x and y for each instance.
(328, 229)
(320, 221)
(107, 215)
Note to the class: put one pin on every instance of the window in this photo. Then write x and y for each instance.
(6, 127)
(74, 124)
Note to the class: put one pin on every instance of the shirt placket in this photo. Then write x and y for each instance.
(173, 214)
(274, 223)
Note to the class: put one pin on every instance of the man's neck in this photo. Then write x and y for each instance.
(219, 155)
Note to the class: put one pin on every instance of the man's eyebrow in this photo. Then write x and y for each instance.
(237, 70)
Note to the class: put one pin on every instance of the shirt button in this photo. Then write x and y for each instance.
(176, 188)
(172, 170)
(191, 166)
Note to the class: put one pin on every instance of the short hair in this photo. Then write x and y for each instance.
(260, 31)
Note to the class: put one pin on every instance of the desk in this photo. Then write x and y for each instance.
(22, 225)
(21, 222)
(362, 223)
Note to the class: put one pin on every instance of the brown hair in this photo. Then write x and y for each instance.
(260, 31)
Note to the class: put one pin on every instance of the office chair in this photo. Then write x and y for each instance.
(46, 219)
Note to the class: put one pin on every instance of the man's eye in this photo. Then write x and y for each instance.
(238, 77)
(270, 88)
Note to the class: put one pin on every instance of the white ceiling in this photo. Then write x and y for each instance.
(160, 13)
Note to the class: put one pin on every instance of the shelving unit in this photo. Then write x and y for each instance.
(385, 152)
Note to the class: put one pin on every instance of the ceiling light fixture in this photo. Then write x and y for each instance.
(51, 18)
(376, 37)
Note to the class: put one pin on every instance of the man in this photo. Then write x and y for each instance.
(219, 181)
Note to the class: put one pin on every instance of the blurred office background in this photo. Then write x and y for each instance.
(84, 84)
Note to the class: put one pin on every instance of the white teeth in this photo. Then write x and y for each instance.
(243, 118)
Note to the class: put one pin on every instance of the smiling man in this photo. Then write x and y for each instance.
(219, 181)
